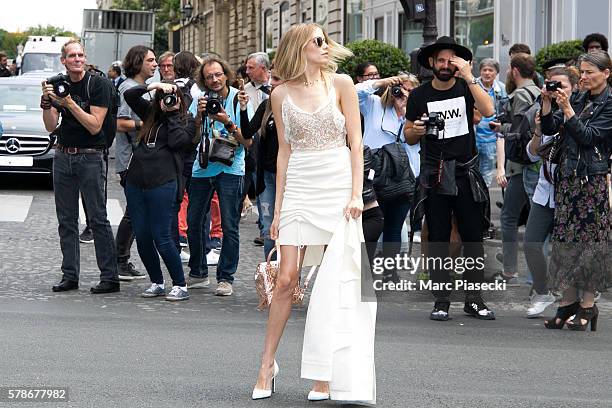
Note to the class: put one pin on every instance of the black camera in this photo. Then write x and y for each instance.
(434, 123)
(169, 100)
(396, 91)
(213, 103)
(61, 86)
(553, 86)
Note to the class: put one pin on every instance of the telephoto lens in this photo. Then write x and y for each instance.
(213, 104)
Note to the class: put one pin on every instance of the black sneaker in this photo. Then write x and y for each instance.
(440, 312)
(476, 307)
(127, 272)
(86, 236)
(183, 241)
(259, 241)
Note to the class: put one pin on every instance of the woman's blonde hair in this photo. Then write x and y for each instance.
(387, 98)
(290, 61)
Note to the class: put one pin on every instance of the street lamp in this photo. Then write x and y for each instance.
(186, 11)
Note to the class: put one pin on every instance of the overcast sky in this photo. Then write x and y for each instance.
(21, 14)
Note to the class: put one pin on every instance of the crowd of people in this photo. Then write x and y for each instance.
(190, 147)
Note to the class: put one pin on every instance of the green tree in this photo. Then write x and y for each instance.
(10, 41)
(387, 58)
(50, 30)
(565, 49)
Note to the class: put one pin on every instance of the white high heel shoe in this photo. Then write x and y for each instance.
(318, 396)
(259, 393)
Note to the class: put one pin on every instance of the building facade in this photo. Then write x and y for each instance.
(229, 28)
(489, 27)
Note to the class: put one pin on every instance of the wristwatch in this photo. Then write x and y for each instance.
(474, 80)
(229, 125)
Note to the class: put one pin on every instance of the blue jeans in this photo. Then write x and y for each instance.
(266, 202)
(394, 216)
(85, 173)
(514, 199)
(151, 213)
(229, 190)
(487, 159)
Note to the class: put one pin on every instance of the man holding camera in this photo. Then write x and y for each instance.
(219, 167)
(82, 101)
(449, 166)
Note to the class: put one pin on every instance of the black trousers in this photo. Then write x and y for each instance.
(372, 222)
(439, 209)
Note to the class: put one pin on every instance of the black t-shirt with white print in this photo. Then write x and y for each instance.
(72, 132)
(457, 141)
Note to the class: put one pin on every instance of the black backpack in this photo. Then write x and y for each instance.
(523, 126)
(393, 176)
(109, 126)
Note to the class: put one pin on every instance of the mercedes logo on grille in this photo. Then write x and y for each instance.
(12, 145)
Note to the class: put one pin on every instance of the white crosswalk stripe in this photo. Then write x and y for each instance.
(114, 211)
(15, 208)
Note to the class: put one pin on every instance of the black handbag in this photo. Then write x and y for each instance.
(552, 150)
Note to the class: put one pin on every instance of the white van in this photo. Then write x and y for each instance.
(42, 53)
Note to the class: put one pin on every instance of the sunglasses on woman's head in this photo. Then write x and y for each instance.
(319, 41)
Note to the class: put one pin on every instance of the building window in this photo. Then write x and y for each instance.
(379, 29)
(284, 18)
(473, 27)
(319, 8)
(410, 34)
(268, 30)
(353, 20)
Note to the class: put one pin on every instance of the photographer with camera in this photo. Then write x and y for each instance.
(154, 181)
(139, 65)
(81, 100)
(219, 167)
(383, 118)
(449, 165)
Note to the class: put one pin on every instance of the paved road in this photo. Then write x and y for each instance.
(124, 351)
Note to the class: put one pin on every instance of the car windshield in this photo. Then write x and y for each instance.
(19, 98)
(41, 62)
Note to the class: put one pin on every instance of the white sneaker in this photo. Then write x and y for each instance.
(212, 258)
(184, 257)
(417, 237)
(539, 303)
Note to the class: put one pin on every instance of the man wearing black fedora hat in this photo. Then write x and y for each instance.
(449, 169)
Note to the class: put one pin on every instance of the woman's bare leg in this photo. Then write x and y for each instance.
(280, 309)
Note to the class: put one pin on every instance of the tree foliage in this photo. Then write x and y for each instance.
(10, 41)
(565, 49)
(387, 58)
(50, 30)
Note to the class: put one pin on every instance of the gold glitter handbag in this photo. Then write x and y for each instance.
(265, 281)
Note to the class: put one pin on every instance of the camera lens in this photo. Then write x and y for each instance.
(170, 100)
(396, 91)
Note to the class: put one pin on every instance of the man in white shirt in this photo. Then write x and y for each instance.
(258, 70)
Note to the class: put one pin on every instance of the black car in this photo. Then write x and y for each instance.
(25, 144)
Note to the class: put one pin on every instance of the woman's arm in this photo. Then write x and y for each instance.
(284, 149)
(250, 127)
(140, 106)
(500, 156)
(350, 108)
(598, 131)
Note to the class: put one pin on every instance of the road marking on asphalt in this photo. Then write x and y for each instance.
(15, 208)
(113, 211)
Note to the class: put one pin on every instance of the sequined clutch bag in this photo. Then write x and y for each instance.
(265, 281)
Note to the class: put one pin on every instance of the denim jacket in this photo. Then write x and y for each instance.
(588, 136)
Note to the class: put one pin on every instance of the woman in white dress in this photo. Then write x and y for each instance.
(318, 197)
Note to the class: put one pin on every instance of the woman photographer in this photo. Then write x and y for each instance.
(154, 181)
(581, 226)
(384, 118)
(541, 215)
